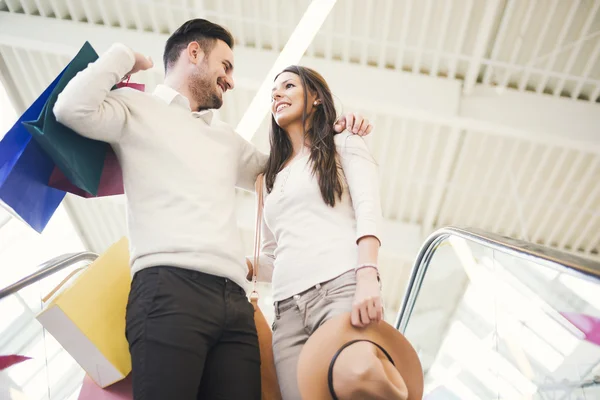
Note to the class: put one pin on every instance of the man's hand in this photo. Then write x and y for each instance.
(142, 63)
(354, 123)
(368, 305)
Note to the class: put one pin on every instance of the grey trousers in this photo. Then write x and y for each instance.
(298, 317)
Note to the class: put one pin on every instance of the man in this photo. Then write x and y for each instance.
(190, 326)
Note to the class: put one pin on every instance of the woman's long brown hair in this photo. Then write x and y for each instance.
(320, 134)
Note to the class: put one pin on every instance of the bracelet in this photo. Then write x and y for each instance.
(363, 266)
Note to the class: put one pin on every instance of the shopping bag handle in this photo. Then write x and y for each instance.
(258, 186)
(61, 284)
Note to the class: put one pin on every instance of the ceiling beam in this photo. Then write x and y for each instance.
(436, 95)
(64, 37)
(535, 115)
(486, 26)
(437, 100)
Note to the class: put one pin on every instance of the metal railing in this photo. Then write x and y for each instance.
(517, 248)
(48, 268)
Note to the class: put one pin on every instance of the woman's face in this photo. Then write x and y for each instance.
(288, 100)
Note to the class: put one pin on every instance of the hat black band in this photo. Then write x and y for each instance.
(337, 353)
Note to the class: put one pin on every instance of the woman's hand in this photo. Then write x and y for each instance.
(250, 269)
(368, 305)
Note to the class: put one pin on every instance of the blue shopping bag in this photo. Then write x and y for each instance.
(25, 170)
(80, 159)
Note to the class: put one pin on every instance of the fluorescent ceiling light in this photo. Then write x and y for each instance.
(294, 49)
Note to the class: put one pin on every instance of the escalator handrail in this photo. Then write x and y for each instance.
(518, 248)
(48, 268)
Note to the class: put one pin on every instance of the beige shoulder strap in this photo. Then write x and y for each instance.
(258, 187)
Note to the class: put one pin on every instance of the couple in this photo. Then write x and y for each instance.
(190, 325)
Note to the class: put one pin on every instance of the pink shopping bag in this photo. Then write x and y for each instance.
(111, 180)
(589, 325)
(10, 360)
(121, 390)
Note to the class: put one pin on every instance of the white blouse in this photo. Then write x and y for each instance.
(305, 241)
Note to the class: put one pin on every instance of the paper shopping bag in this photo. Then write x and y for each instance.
(137, 86)
(25, 169)
(88, 317)
(122, 390)
(10, 360)
(111, 178)
(85, 167)
(79, 158)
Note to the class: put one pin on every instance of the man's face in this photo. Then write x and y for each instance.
(213, 76)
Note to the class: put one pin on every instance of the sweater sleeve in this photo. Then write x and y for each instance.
(361, 172)
(87, 104)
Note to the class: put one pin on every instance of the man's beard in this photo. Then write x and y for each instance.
(204, 90)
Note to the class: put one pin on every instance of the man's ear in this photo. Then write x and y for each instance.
(194, 52)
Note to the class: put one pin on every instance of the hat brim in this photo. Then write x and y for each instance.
(317, 353)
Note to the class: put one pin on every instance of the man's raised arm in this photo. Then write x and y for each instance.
(87, 105)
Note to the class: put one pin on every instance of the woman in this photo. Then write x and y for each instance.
(321, 216)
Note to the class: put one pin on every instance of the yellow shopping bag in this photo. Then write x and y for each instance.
(88, 317)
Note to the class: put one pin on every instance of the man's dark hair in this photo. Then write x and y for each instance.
(196, 30)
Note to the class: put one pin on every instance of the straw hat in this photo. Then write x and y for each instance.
(316, 370)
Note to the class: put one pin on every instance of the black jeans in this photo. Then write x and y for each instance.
(191, 336)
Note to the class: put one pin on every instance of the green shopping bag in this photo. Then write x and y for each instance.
(80, 159)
